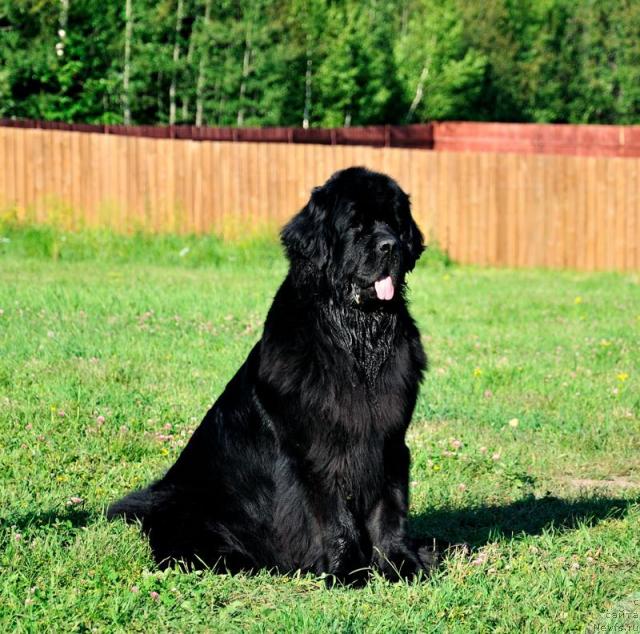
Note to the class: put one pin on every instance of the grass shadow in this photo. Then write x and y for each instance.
(479, 525)
(434, 531)
(71, 517)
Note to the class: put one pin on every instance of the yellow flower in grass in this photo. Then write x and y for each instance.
(477, 372)
(578, 300)
(622, 377)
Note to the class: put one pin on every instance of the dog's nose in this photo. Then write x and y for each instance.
(386, 246)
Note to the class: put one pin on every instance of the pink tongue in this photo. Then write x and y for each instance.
(384, 288)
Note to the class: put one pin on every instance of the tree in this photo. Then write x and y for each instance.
(357, 78)
(442, 74)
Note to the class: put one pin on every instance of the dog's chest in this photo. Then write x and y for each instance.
(370, 388)
(365, 341)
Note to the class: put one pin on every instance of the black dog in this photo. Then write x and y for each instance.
(302, 462)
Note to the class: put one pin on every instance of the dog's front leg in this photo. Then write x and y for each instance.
(340, 554)
(393, 553)
(343, 556)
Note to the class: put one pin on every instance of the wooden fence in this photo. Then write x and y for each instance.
(505, 209)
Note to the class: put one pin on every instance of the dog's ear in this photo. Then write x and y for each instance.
(305, 235)
(414, 243)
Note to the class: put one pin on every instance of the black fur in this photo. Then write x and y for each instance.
(302, 463)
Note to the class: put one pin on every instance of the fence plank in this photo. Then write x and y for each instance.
(29, 180)
(610, 217)
(502, 202)
(511, 210)
(523, 196)
(20, 185)
(592, 215)
(205, 188)
(10, 169)
(4, 203)
(484, 177)
(620, 220)
(632, 211)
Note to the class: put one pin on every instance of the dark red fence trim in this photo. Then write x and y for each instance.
(531, 138)
(453, 136)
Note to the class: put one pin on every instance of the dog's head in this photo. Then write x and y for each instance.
(356, 234)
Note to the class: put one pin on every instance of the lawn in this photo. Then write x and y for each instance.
(525, 441)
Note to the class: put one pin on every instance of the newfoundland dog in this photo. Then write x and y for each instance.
(301, 464)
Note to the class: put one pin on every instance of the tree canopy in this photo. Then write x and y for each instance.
(320, 62)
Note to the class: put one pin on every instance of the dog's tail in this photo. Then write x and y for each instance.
(134, 506)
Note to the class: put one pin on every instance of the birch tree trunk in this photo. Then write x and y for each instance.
(186, 99)
(307, 91)
(204, 58)
(126, 73)
(419, 92)
(159, 100)
(176, 59)
(64, 14)
(246, 61)
(63, 19)
(221, 100)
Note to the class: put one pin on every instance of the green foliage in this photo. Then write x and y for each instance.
(330, 63)
(356, 80)
(49, 242)
(56, 65)
(558, 60)
(525, 441)
(443, 78)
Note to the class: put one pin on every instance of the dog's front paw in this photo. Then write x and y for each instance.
(429, 557)
(397, 565)
(354, 579)
(406, 563)
(346, 564)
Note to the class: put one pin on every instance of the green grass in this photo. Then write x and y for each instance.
(94, 325)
